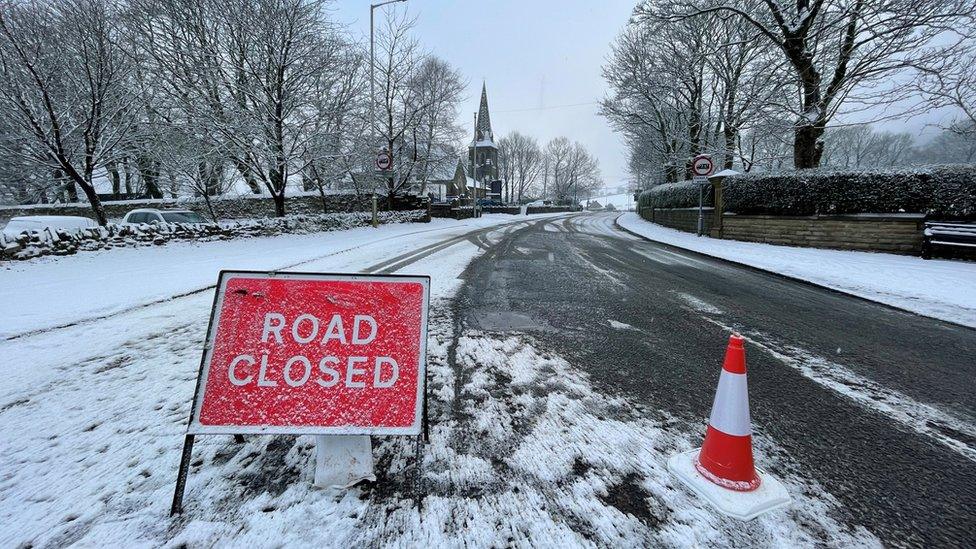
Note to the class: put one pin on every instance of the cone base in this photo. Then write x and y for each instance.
(768, 496)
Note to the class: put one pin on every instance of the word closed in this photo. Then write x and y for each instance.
(314, 353)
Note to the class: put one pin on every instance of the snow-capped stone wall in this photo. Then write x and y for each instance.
(228, 207)
(114, 235)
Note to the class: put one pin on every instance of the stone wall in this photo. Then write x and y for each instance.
(510, 210)
(550, 209)
(244, 207)
(451, 212)
(893, 233)
(67, 241)
(682, 219)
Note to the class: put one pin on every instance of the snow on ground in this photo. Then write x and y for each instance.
(108, 281)
(621, 201)
(523, 451)
(936, 288)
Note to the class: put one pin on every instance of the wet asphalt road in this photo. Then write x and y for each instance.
(875, 405)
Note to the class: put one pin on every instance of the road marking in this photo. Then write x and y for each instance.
(698, 304)
(620, 325)
(922, 418)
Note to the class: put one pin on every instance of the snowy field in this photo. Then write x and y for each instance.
(936, 288)
(621, 201)
(523, 451)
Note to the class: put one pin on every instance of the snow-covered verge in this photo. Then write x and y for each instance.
(32, 244)
(936, 288)
(524, 450)
(53, 291)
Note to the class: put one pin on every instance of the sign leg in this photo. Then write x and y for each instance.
(342, 461)
(177, 507)
(418, 494)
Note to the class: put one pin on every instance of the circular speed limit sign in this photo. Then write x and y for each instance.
(702, 165)
(383, 161)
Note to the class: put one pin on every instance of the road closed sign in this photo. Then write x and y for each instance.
(306, 353)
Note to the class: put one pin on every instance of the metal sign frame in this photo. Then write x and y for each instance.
(420, 427)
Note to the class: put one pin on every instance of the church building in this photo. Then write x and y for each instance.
(483, 153)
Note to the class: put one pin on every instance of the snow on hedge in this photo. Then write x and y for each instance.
(31, 244)
(674, 195)
(939, 191)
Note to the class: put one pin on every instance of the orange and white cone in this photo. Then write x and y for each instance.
(722, 471)
(726, 455)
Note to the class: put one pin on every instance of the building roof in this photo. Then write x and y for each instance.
(443, 170)
(483, 135)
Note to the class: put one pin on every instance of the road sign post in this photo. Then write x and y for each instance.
(376, 222)
(701, 167)
(313, 353)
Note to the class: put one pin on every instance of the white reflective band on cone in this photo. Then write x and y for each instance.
(730, 411)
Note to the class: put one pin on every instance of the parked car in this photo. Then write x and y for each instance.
(27, 223)
(149, 215)
(540, 203)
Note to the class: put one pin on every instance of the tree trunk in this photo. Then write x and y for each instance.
(210, 208)
(66, 185)
(96, 204)
(729, 133)
(113, 172)
(128, 175)
(247, 175)
(279, 203)
(808, 146)
(150, 176)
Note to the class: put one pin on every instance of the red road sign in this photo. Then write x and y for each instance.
(383, 160)
(307, 353)
(702, 165)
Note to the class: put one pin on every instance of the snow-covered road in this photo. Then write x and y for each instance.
(99, 372)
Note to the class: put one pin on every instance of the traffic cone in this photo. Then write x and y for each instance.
(726, 455)
(722, 471)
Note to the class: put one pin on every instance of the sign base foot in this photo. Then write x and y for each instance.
(342, 461)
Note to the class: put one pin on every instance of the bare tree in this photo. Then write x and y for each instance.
(401, 107)
(951, 82)
(64, 96)
(842, 51)
(860, 146)
(521, 164)
(246, 72)
(439, 89)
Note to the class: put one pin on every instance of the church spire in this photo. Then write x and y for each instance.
(483, 132)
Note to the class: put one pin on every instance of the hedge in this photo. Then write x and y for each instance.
(941, 192)
(674, 195)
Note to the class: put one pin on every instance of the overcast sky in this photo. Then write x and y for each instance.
(536, 57)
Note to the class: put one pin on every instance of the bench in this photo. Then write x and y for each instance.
(960, 235)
